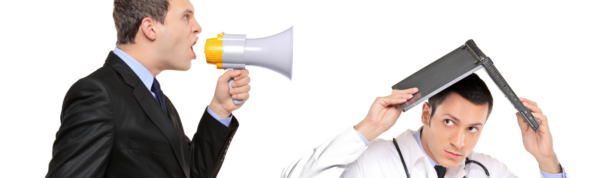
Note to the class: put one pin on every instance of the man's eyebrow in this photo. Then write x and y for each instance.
(188, 11)
(458, 120)
(480, 124)
(453, 117)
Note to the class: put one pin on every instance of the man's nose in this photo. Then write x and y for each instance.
(458, 140)
(196, 28)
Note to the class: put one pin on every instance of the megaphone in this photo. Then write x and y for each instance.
(234, 51)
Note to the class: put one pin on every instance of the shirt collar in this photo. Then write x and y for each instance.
(142, 72)
(417, 136)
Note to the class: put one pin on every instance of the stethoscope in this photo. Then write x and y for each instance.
(467, 161)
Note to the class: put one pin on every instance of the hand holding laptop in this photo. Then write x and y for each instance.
(539, 144)
(383, 113)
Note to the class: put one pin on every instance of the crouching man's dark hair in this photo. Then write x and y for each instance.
(471, 88)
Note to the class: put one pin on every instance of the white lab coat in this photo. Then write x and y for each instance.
(347, 156)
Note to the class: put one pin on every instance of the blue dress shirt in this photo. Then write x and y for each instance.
(144, 74)
(417, 136)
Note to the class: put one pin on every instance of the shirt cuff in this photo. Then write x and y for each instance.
(362, 138)
(224, 121)
(559, 175)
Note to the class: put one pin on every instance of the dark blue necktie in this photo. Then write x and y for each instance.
(160, 97)
(440, 170)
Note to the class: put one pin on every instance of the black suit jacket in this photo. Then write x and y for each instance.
(112, 126)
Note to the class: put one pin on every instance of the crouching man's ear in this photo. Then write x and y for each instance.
(426, 114)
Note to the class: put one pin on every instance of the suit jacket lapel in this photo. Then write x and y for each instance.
(149, 105)
(174, 116)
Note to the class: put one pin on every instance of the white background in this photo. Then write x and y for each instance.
(346, 53)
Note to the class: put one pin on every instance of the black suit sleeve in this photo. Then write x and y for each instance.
(209, 146)
(85, 137)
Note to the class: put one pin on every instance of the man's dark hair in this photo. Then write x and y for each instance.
(128, 15)
(471, 88)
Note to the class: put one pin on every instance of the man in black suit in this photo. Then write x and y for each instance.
(117, 122)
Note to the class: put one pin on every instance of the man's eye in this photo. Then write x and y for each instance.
(448, 122)
(186, 17)
(473, 129)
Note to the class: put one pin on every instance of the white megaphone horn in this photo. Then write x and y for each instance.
(234, 51)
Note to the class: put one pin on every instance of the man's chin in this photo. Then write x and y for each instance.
(183, 67)
(451, 163)
(187, 67)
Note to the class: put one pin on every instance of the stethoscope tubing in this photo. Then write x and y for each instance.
(467, 161)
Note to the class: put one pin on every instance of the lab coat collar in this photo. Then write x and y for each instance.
(416, 161)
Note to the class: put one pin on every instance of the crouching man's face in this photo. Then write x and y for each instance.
(452, 132)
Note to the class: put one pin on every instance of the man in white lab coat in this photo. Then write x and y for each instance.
(452, 124)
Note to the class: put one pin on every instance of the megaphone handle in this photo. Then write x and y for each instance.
(236, 102)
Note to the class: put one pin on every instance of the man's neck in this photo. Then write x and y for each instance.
(144, 57)
(426, 146)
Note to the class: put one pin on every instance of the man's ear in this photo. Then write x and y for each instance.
(148, 28)
(426, 114)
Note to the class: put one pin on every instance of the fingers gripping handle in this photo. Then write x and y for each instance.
(236, 102)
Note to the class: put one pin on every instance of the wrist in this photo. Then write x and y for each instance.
(367, 130)
(218, 110)
(550, 164)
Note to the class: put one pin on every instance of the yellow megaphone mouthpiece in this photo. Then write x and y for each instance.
(213, 49)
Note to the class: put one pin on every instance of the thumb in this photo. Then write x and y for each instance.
(391, 100)
(522, 123)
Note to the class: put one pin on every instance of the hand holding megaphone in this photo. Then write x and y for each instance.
(234, 51)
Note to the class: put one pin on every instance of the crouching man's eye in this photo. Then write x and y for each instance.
(448, 122)
(473, 129)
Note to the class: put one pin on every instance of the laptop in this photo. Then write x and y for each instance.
(453, 67)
